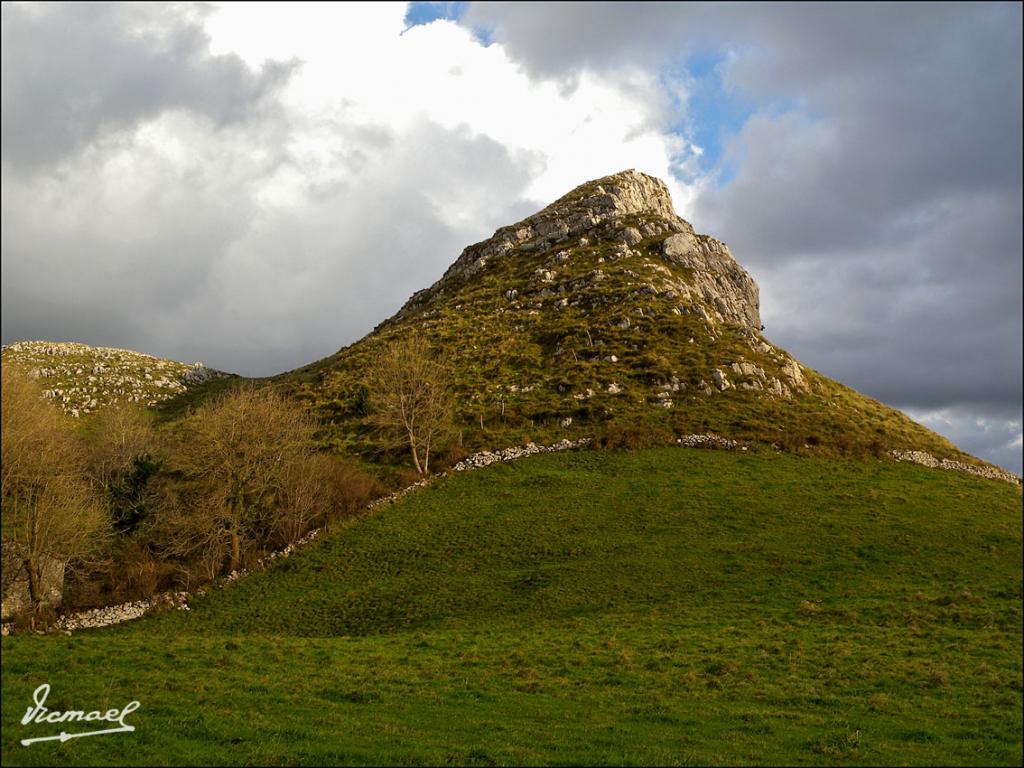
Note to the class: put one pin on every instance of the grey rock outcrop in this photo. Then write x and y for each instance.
(720, 379)
(619, 212)
(567, 219)
(719, 282)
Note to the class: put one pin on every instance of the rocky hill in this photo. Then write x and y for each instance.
(81, 378)
(604, 312)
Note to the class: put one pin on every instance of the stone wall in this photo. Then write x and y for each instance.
(927, 460)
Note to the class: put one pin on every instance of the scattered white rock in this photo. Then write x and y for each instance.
(110, 375)
(629, 236)
(720, 379)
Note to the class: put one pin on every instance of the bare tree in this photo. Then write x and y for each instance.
(306, 498)
(120, 433)
(410, 396)
(239, 455)
(51, 513)
(123, 462)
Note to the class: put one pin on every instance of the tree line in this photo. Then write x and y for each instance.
(127, 509)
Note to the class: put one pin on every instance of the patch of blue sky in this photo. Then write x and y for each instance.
(424, 13)
(712, 113)
(484, 35)
(419, 13)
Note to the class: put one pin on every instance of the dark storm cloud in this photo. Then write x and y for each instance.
(875, 190)
(73, 71)
(105, 237)
(991, 435)
(927, 320)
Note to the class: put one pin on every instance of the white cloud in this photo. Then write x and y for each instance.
(358, 66)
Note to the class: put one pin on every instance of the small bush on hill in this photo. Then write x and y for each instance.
(633, 436)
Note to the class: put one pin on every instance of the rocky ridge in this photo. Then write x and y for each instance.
(80, 378)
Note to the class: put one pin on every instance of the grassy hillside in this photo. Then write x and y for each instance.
(605, 326)
(668, 606)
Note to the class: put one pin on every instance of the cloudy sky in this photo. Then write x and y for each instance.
(256, 186)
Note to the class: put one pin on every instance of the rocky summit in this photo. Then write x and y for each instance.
(628, 209)
(606, 313)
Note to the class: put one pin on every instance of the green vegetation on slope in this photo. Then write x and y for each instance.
(622, 348)
(668, 606)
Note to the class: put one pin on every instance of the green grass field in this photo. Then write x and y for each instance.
(666, 606)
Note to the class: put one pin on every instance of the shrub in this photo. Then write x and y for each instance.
(248, 478)
(51, 512)
(633, 436)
